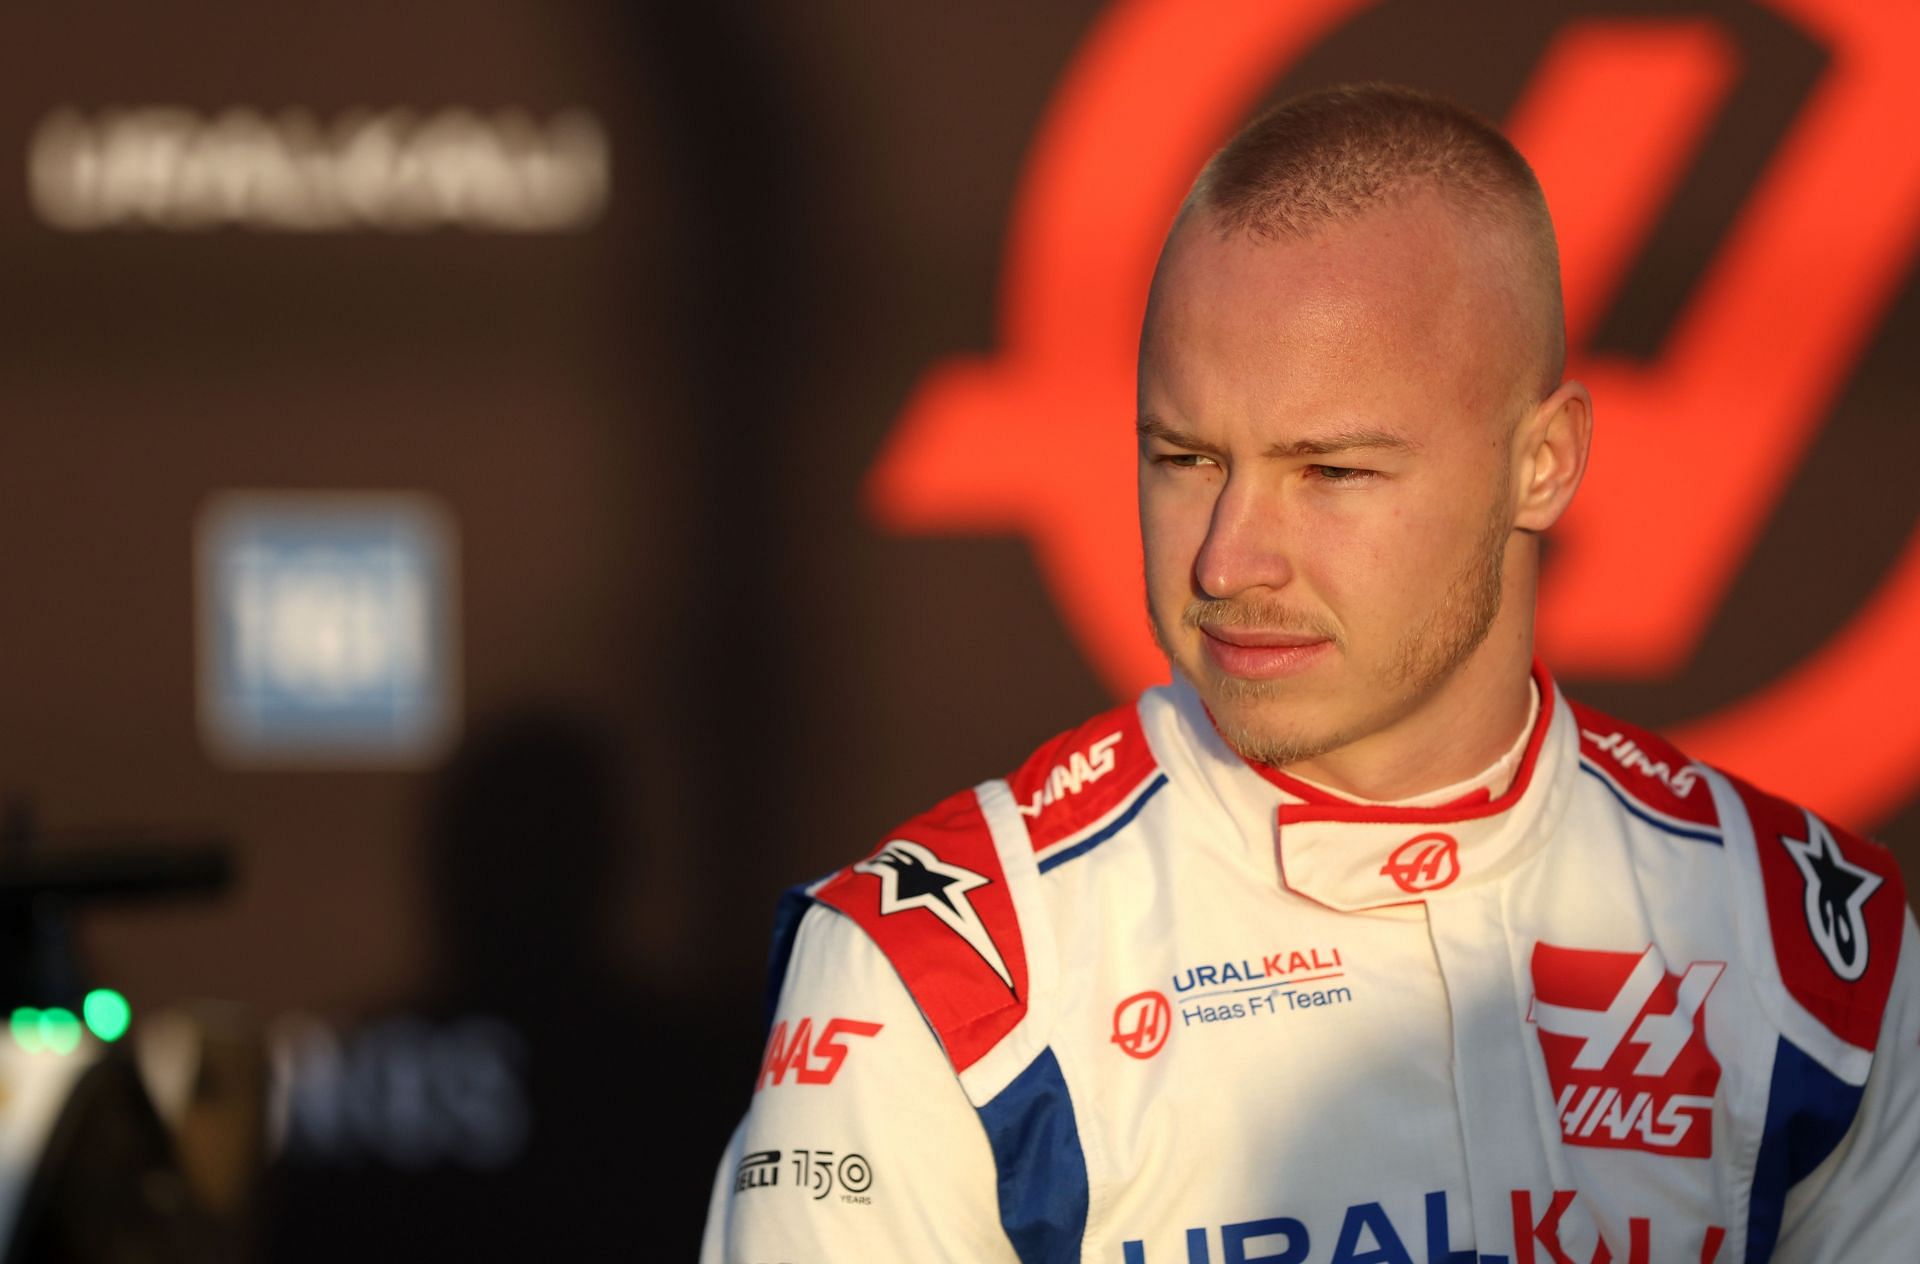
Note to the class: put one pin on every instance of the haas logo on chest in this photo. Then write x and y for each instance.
(1141, 1024)
(1626, 1049)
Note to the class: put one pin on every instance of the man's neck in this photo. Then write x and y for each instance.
(1489, 783)
(1453, 735)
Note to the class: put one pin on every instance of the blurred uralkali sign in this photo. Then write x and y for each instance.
(174, 168)
(327, 628)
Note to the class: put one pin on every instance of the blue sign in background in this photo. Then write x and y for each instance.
(327, 626)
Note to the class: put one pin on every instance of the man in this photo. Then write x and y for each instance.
(1358, 942)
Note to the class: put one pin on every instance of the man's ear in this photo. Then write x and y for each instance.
(1550, 456)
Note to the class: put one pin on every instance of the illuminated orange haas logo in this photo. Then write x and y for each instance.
(1709, 430)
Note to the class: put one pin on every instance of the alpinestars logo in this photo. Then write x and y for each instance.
(1626, 1049)
(912, 877)
(1837, 889)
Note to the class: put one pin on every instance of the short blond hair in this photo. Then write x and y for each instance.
(1332, 155)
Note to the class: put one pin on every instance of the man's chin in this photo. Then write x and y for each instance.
(1262, 719)
(1276, 745)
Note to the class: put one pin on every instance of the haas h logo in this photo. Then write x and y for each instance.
(1141, 1024)
(1425, 862)
(1626, 1050)
(1708, 429)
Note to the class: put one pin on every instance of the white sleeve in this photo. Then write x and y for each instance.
(859, 1143)
(1863, 1201)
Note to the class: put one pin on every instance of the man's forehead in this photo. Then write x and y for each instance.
(1411, 290)
(1351, 305)
(1416, 248)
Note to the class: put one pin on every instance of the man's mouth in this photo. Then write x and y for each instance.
(1262, 654)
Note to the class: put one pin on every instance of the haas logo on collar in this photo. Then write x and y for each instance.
(912, 877)
(1425, 862)
(1070, 776)
(1626, 1049)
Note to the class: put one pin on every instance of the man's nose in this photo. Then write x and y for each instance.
(1245, 547)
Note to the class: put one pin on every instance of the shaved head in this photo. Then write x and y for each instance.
(1333, 156)
(1352, 432)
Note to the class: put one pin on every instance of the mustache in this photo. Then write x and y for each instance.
(1268, 616)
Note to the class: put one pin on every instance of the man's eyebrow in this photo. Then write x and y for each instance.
(1344, 441)
(1151, 427)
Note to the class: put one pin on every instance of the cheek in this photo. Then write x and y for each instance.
(1451, 552)
(1381, 558)
(1172, 529)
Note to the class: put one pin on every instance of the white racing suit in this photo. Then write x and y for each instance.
(1143, 1003)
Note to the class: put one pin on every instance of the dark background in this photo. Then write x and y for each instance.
(709, 671)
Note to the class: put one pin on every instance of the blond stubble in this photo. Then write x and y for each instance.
(1443, 640)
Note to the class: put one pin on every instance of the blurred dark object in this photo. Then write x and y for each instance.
(104, 1180)
(534, 1103)
(120, 872)
(42, 879)
(109, 1187)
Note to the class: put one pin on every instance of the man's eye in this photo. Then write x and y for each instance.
(1185, 460)
(1339, 473)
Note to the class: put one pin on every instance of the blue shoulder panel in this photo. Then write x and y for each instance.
(1043, 1174)
(794, 903)
(1809, 1110)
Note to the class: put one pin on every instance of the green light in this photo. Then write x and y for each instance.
(108, 1014)
(25, 1023)
(59, 1030)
